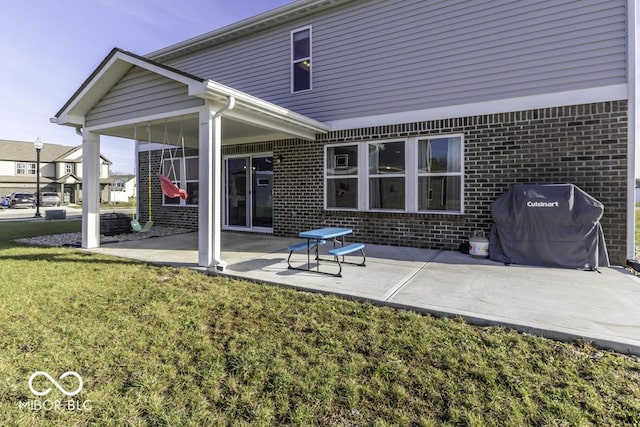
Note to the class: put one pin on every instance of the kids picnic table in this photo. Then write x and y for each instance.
(320, 236)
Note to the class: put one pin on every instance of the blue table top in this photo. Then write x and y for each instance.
(325, 233)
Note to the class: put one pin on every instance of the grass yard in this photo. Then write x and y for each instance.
(161, 346)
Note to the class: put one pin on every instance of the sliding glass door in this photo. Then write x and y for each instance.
(249, 192)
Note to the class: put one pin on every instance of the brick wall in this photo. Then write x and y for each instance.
(583, 144)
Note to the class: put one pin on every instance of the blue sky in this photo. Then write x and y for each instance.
(49, 48)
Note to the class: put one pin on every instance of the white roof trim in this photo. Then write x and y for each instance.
(251, 109)
(117, 64)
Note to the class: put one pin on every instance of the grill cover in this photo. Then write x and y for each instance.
(548, 225)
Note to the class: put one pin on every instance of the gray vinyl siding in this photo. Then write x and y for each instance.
(383, 56)
(141, 93)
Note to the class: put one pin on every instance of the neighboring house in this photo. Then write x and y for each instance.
(123, 188)
(401, 119)
(60, 170)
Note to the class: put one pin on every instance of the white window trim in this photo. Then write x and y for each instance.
(460, 174)
(410, 175)
(225, 217)
(28, 168)
(293, 61)
(327, 177)
(182, 183)
(405, 175)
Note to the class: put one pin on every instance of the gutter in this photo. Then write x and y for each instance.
(217, 92)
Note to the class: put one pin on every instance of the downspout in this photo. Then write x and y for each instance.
(632, 126)
(219, 264)
(231, 102)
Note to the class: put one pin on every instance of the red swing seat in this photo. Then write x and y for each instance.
(171, 190)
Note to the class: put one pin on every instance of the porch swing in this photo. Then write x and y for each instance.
(169, 188)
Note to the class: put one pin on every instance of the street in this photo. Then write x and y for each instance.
(71, 212)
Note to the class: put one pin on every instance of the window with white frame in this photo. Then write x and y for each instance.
(191, 171)
(69, 168)
(387, 175)
(183, 172)
(24, 168)
(418, 175)
(440, 174)
(342, 176)
(301, 60)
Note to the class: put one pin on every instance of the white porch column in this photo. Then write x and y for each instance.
(90, 190)
(210, 190)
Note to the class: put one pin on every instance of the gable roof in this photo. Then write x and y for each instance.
(124, 176)
(247, 108)
(23, 151)
(113, 68)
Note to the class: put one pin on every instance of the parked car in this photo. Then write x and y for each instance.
(5, 201)
(49, 199)
(22, 200)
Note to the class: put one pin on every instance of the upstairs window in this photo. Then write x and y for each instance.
(301, 60)
(69, 168)
(23, 168)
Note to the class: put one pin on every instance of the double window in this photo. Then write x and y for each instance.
(413, 175)
(301, 60)
(23, 168)
(184, 173)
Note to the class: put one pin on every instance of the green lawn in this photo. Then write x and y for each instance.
(171, 347)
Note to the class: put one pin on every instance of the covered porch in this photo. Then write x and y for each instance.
(132, 97)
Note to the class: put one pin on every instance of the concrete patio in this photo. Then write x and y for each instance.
(555, 303)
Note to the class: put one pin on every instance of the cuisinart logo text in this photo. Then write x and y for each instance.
(51, 404)
(543, 204)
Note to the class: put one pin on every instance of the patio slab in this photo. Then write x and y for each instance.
(601, 307)
(557, 303)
